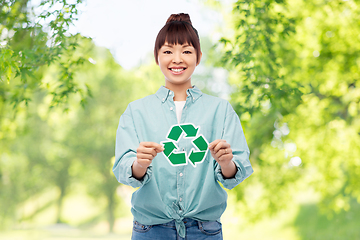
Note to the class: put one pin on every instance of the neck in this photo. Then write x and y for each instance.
(179, 90)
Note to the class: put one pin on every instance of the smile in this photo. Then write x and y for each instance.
(177, 70)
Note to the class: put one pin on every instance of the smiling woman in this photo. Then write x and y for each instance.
(175, 199)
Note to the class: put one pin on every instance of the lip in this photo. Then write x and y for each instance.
(177, 73)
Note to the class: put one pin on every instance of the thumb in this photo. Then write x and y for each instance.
(159, 148)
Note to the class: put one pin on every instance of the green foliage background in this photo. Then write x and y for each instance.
(293, 68)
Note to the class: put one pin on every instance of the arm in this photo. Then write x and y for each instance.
(132, 158)
(227, 156)
(127, 142)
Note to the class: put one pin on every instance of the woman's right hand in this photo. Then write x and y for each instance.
(145, 153)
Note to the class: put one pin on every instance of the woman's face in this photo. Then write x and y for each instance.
(177, 63)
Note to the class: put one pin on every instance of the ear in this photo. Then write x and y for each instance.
(198, 62)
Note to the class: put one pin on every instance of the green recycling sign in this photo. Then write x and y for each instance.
(177, 157)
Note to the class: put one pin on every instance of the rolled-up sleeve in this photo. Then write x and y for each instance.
(234, 135)
(125, 152)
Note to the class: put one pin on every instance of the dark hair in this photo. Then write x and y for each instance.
(178, 30)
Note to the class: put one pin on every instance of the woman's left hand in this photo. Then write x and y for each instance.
(221, 152)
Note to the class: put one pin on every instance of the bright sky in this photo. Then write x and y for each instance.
(129, 27)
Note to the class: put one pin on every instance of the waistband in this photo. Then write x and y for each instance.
(188, 222)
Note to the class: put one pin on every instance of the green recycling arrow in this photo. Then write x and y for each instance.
(168, 148)
(201, 143)
(176, 157)
(196, 157)
(175, 133)
(189, 129)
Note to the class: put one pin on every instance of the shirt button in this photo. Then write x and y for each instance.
(170, 93)
(163, 99)
(181, 174)
(180, 199)
(193, 99)
(171, 108)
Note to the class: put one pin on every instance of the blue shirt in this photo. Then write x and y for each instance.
(172, 192)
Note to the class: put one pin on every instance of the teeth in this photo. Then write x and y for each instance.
(177, 69)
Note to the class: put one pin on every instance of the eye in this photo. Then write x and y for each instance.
(187, 52)
(167, 52)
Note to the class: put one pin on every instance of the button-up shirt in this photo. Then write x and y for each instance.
(172, 192)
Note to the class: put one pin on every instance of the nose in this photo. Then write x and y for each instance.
(177, 58)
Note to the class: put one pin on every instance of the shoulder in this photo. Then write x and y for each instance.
(214, 99)
(141, 104)
(150, 99)
(217, 102)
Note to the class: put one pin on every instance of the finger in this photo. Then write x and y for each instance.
(147, 151)
(224, 152)
(151, 144)
(158, 147)
(214, 143)
(221, 145)
(221, 153)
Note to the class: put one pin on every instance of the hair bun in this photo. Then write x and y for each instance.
(184, 17)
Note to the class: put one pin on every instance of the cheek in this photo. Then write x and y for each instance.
(192, 61)
(163, 69)
(163, 61)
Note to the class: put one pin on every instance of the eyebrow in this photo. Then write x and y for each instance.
(171, 45)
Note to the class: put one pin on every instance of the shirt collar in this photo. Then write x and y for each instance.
(163, 93)
(194, 93)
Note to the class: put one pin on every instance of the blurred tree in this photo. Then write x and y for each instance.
(293, 67)
(65, 149)
(34, 36)
(93, 134)
(40, 143)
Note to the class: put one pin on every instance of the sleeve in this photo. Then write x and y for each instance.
(127, 142)
(234, 135)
